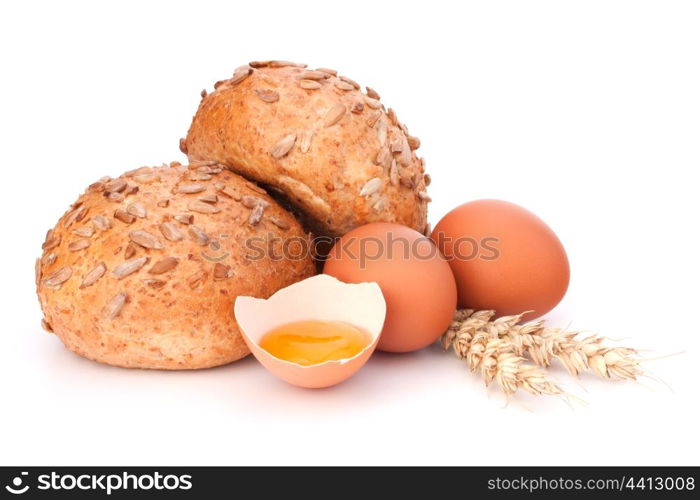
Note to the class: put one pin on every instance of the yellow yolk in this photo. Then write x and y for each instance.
(312, 342)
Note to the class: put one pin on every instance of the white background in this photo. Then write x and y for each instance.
(587, 113)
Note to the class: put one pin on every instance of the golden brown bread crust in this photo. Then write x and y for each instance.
(172, 241)
(332, 151)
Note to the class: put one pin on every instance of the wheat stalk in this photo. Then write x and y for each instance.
(493, 357)
(543, 344)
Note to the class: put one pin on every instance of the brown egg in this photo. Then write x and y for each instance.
(416, 281)
(503, 257)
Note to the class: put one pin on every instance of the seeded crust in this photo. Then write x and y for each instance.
(142, 270)
(332, 152)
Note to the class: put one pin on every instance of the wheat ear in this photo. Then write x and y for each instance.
(494, 358)
(543, 344)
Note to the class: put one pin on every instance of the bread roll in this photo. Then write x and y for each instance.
(317, 142)
(143, 270)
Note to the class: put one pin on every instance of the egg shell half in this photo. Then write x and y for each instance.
(319, 298)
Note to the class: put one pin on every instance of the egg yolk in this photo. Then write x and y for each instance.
(312, 342)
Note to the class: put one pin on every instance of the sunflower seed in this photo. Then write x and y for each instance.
(267, 95)
(306, 138)
(328, 71)
(49, 259)
(91, 278)
(396, 145)
(191, 188)
(196, 176)
(357, 108)
(309, 84)
(314, 75)
(334, 115)
(283, 146)
(372, 93)
(379, 205)
(37, 272)
(256, 214)
(203, 163)
(163, 265)
(123, 216)
(382, 131)
(116, 197)
(240, 75)
(52, 240)
(183, 143)
(209, 198)
(405, 180)
(75, 216)
(137, 210)
(392, 116)
(345, 86)
(394, 173)
(283, 64)
(102, 223)
(130, 250)
(131, 189)
(58, 277)
(198, 235)
(373, 118)
(371, 186)
(145, 178)
(85, 231)
(373, 103)
(163, 202)
(413, 142)
(129, 267)
(145, 239)
(184, 218)
(280, 223)
(154, 283)
(258, 64)
(405, 158)
(350, 81)
(228, 191)
(202, 208)
(116, 186)
(46, 326)
(195, 279)
(170, 231)
(222, 272)
(249, 201)
(423, 195)
(98, 186)
(383, 158)
(77, 245)
(115, 305)
(427, 179)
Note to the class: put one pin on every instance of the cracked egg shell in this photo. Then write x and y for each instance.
(319, 298)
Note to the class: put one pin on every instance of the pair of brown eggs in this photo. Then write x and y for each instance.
(485, 254)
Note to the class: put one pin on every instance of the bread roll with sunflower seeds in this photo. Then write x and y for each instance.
(142, 271)
(333, 152)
